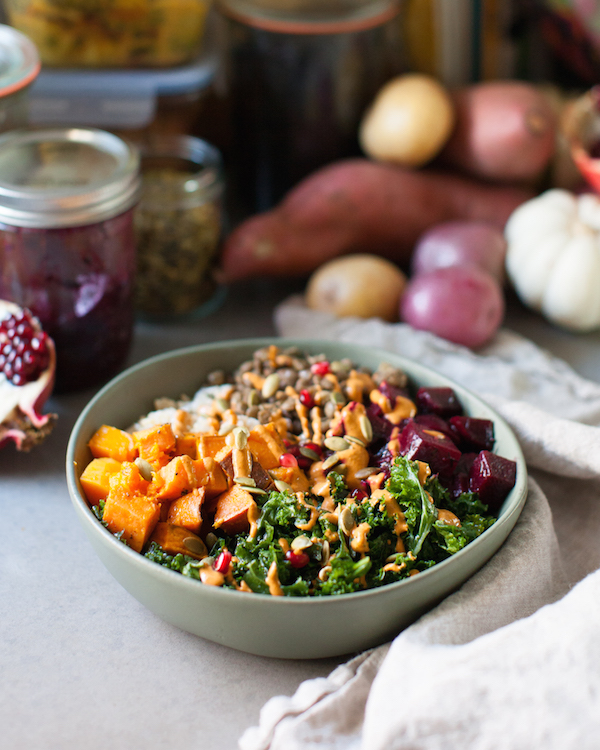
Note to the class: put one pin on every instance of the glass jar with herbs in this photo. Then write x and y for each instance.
(178, 227)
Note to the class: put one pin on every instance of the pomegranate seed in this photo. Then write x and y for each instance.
(221, 564)
(306, 398)
(314, 447)
(24, 352)
(320, 368)
(288, 460)
(358, 495)
(297, 559)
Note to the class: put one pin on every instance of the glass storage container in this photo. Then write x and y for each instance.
(67, 243)
(19, 66)
(111, 33)
(297, 76)
(178, 226)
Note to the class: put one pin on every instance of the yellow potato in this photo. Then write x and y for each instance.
(409, 121)
(362, 285)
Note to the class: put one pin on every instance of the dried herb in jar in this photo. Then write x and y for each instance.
(178, 226)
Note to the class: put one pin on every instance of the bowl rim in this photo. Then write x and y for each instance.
(513, 504)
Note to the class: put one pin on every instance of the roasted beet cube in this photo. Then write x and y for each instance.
(440, 401)
(493, 477)
(382, 427)
(458, 484)
(391, 391)
(420, 444)
(433, 422)
(472, 434)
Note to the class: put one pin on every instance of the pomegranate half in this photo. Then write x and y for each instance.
(27, 368)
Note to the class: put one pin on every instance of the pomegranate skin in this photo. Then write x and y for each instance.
(462, 304)
(21, 419)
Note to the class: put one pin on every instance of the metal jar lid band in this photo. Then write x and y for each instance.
(65, 177)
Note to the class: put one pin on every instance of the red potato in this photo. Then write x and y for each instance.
(505, 131)
(358, 205)
(463, 304)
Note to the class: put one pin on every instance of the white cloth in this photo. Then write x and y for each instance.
(512, 659)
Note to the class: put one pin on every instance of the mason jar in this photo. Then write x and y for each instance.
(296, 77)
(67, 243)
(178, 227)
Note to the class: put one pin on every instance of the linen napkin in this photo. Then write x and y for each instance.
(512, 659)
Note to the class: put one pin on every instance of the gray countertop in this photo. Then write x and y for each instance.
(83, 665)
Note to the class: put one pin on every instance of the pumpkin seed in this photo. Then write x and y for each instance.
(308, 453)
(253, 398)
(328, 463)
(301, 542)
(391, 558)
(324, 572)
(338, 398)
(144, 468)
(366, 472)
(222, 404)
(336, 444)
(245, 481)
(240, 437)
(356, 441)
(255, 490)
(346, 521)
(195, 545)
(283, 486)
(325, 551)
(366, 427)
(270, 386)
(211, 539)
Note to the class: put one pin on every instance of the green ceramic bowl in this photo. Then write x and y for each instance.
(283, 627)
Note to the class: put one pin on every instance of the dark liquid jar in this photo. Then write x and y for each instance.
(67, 243)
(297, 77)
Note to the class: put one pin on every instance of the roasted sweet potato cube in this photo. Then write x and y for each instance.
(156, 444)
(95, 479)
(292, 475)
(211, 476)
(129, 480)
(209, 445)
(187, 510)
(176, 478)
(111, 442)
(187, 445)
(133, 515)
(232, 510)
(176, 540)
(266, 445)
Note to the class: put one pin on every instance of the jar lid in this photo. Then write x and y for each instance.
(65, 177)
(311, 16)
(179, 171)
(19, 60)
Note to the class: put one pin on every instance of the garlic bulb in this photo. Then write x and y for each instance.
(553, 257)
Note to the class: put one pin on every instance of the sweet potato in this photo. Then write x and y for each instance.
(186, 511)
(232, 510)
(176, 478)
(156, 444)
(110, 442)
(135, 516)
(505, 131)
(210, 476)
(358, 206)
(176, 540)
(95, 479)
